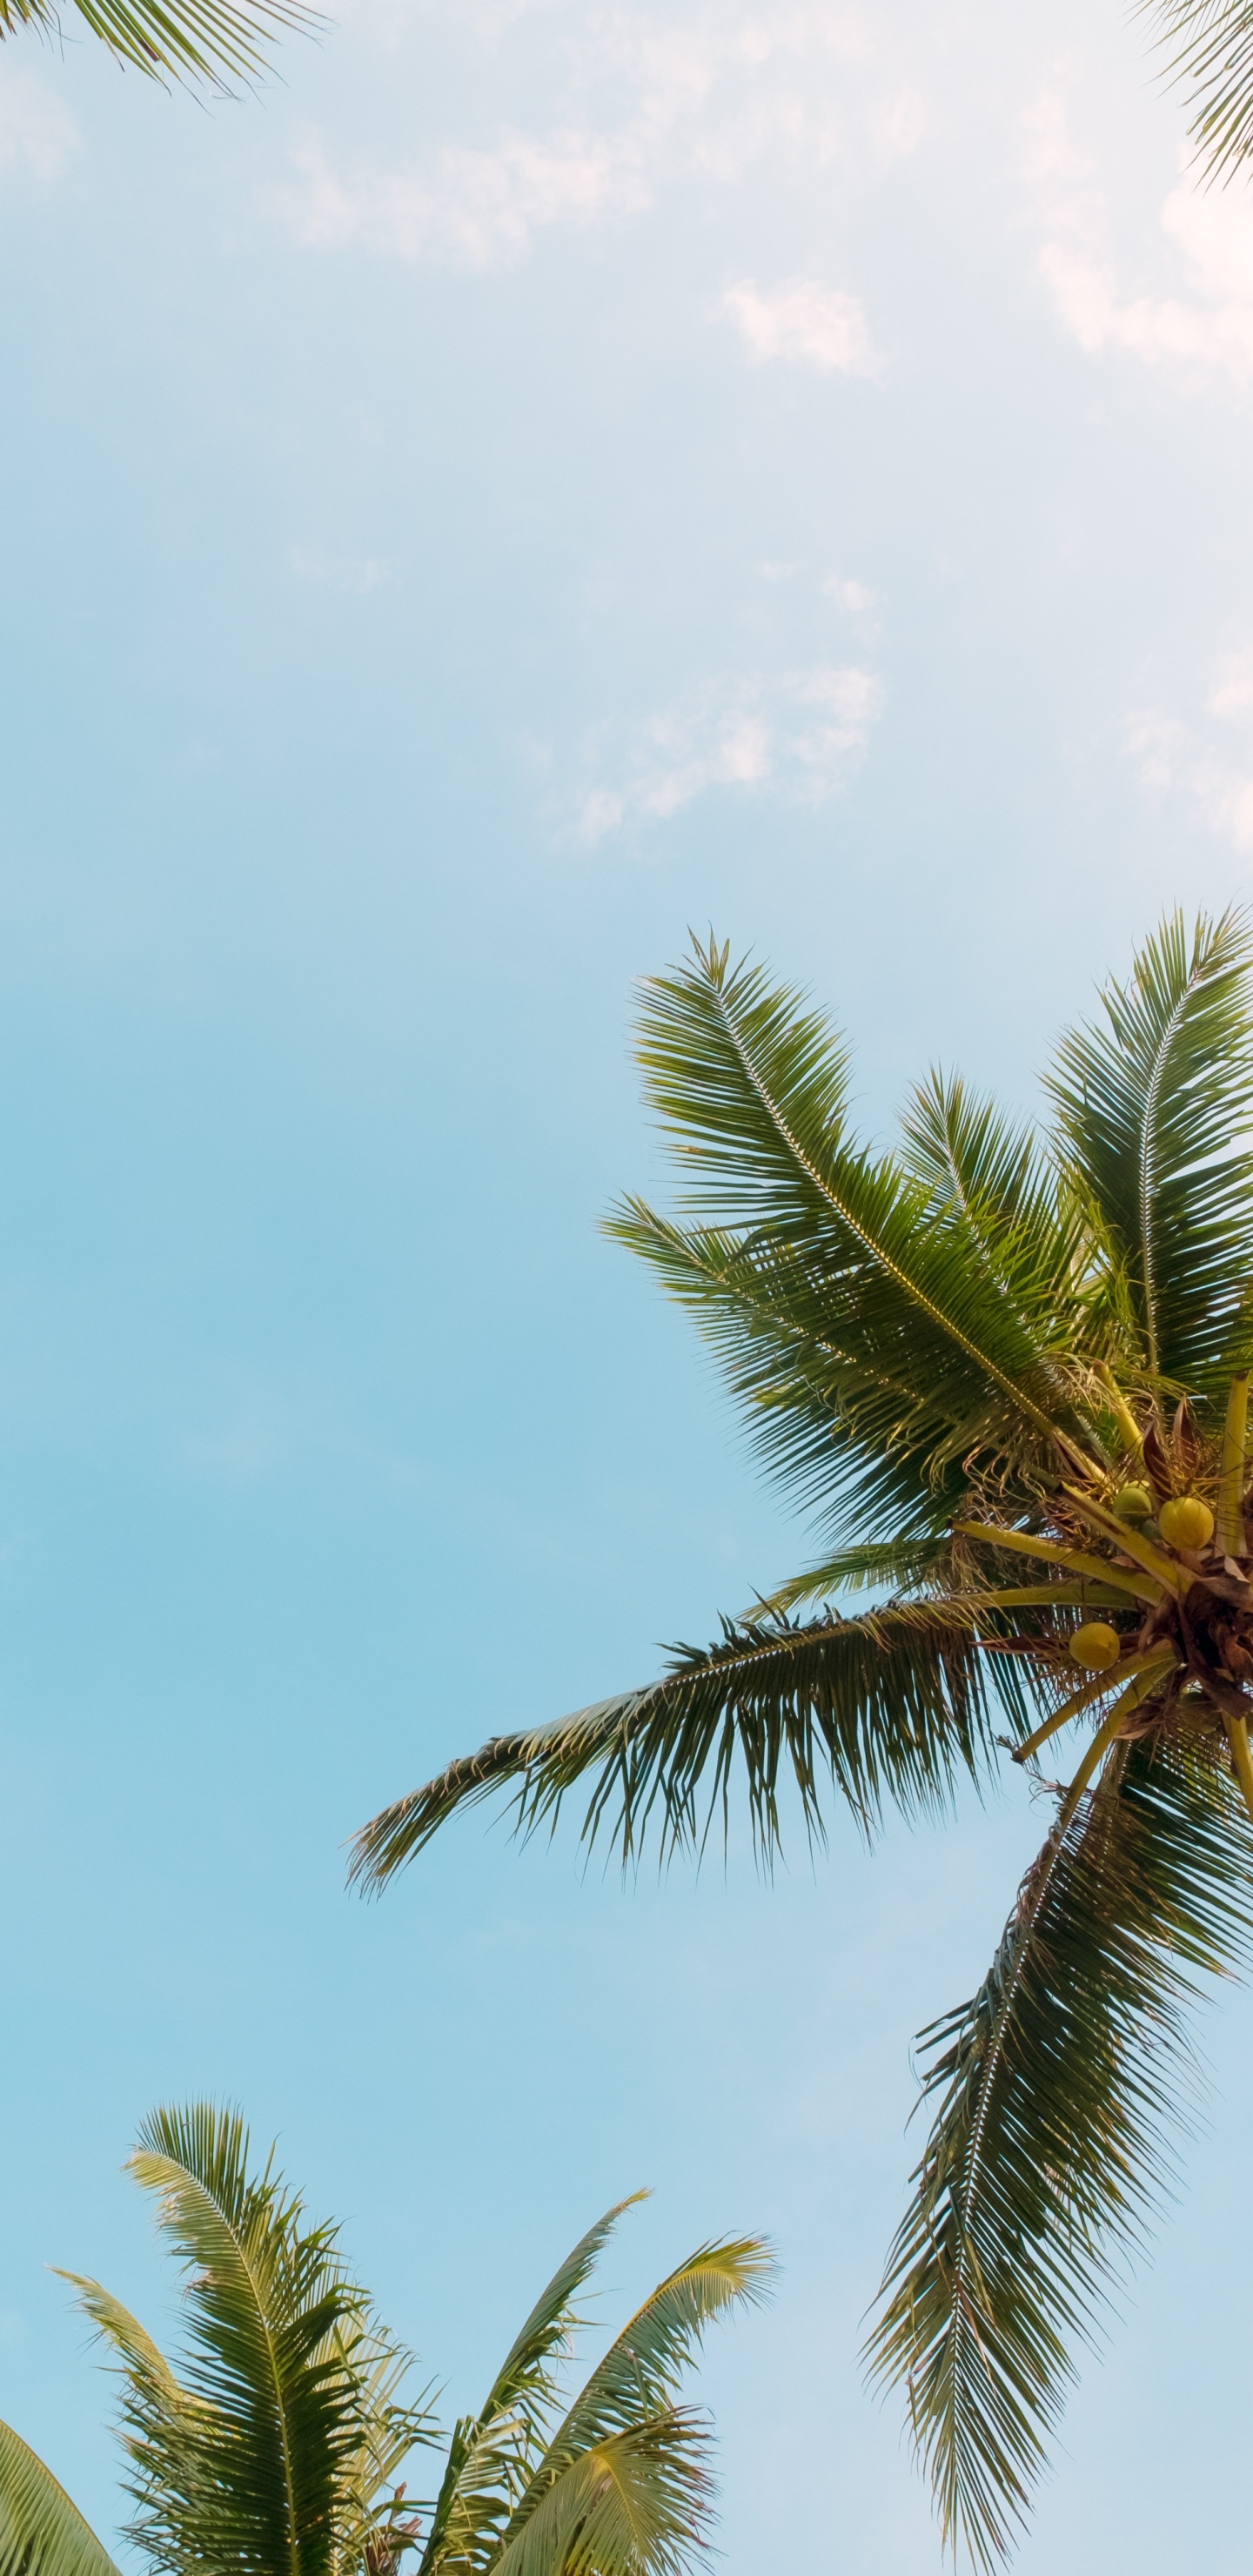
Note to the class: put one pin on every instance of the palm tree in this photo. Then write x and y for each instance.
(273, 2448)
(1012, 1378)
(213, 41)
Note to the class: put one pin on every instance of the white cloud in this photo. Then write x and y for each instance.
(1193, 314)
(1206, 762)
(37, 133)
(702, 98)
(815, 326)
(800, 737)
(359, 573)
(852, 595)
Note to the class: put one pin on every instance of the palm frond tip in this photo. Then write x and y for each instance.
(214, 43)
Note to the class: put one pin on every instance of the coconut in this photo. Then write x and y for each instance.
(1095, 1646)
(1187, 1522)
(1133, 1503)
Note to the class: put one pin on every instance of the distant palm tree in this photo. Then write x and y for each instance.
(215, 41)
(1014, 1380)
(272, 2448)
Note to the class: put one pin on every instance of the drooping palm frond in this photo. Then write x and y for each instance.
(41, 2532)
(1057, 2088)
(213, 41)
(1153, 1108)
(623, 2487)
(891, 1707)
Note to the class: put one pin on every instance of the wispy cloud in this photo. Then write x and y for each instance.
(851, 595)
(478, 208)
(813, 325)
(358, 573)
(800, 737)
(1190, 309)
(703, 95)
(37, 134)
(1205, 760)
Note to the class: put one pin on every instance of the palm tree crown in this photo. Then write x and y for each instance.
(1010, 1376)
(274, 2448)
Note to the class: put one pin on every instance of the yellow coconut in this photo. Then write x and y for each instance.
(1187, 1522)
(1133, 1503)
(1095, 1646)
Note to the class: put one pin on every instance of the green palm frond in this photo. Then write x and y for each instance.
(850, 1420)
(41, 2532)
(903, 1564)
(212, 41)
(1057, 2087)
(991, 1183)
(1209, 47)
(1153, 1106)
(636, 2504)
(137, 2353)
(491, 2455)
(374, 2525)
(752, 1090)
(645, 2363)
(892, 1707)
(623, 2486)
(525, 2384)
(251, 2468)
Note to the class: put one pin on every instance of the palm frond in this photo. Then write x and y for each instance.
(41, 2532)
(1209, 46)
(625, 2452)
(891, 1707)
(1057, 2088)
(524, 2383)
(375, 2527)
(1153, 1104)
(844, 1416)
(251, 2472)
(215, 42)
(491, 2455)
(751, 1089)
(115, 2325)
(902, 1563)
(636, 2504)
(645, 2363)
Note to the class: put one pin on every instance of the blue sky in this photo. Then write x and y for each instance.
(535, 478)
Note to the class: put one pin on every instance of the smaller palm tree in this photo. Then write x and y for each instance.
(274, 2447)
